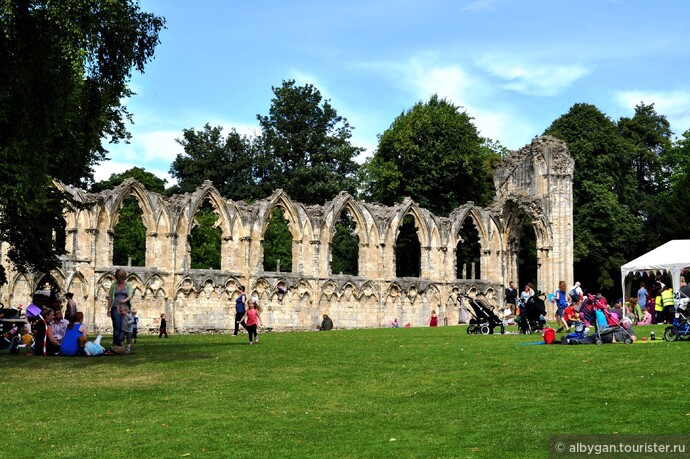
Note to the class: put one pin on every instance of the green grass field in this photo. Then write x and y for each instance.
(400, 393)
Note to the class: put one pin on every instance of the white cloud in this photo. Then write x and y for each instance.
(532, 78)
(674, 104)
(477, 6)
(493, 118)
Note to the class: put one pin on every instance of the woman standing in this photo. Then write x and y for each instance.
(433, 321)
(120, 293)
(527, 293)
(561, 303)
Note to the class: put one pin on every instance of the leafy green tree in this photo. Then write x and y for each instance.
(469, 250)
(129, 235)
(605, 232)
(345, 246)
(669, 208)
(204, 239)
(64, 70)
(278, 243)
(227, 161)
(408, 250)
(150, 181)
(305, 146)
(650, 134)
(434, 154)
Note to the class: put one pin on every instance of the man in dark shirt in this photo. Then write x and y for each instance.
(327, 323)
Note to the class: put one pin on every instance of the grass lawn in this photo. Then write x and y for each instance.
(400, 393)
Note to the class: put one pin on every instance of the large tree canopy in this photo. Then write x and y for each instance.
(434, 154)
(605, 230)
(64, 68)
(305, 147)
(227, 161)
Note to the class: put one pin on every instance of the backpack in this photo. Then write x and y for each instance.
(574, 295)
(549, 335)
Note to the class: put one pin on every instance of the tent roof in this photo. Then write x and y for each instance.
(672, 256)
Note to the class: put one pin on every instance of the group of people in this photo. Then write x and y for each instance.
(569, 303)
(656, 305)
(55, 335)
(432, 322)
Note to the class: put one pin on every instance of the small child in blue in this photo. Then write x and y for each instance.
(135, 325)
(91, 348)
(127, 325)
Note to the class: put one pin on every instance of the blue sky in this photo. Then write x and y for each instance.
(514, 65)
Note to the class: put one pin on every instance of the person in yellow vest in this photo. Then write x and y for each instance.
(664, 307)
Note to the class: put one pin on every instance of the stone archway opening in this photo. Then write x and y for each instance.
(205, 238)
(468, 251)
(528, 271)
(60, 237)
(277, 243)
(129, 235)
(408, 250)
(345, 246)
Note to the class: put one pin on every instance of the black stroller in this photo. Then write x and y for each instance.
(532, 315)
(9, 328)
(484, 320)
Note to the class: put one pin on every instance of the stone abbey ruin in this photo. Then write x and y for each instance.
(533, 184)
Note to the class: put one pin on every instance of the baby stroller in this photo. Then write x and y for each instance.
(681, 324)
(532, 313)
(484, 320)
(9, 329)
(607, 327)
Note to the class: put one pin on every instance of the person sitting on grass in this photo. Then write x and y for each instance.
(70, 346)
(571, 316)
(91, 348)
(44, 341)
(646, 318)
(394, 323)
(622, 333)
(326, 323)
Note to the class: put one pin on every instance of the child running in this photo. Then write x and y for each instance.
(253, 319)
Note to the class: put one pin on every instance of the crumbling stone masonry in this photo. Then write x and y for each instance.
(533, 183)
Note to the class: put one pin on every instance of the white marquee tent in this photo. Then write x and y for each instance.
(672, 257)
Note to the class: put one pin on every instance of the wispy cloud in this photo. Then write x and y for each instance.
(427, 74)
(532, 78)
(477, 6)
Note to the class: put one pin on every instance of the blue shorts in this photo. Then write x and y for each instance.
(559, 312)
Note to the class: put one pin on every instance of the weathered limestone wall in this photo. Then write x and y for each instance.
(533, 183)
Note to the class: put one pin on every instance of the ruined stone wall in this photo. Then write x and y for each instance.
(533, 183)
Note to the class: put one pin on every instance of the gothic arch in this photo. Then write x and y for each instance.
(280, 199)
(474, 214)
(411, 208)
(136, 189)
(209, 192)
(78, 279)
(347, 202)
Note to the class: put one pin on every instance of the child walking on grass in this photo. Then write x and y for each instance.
(127, 326)
(253, 319)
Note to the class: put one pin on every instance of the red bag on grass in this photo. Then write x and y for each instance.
(549, 335)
